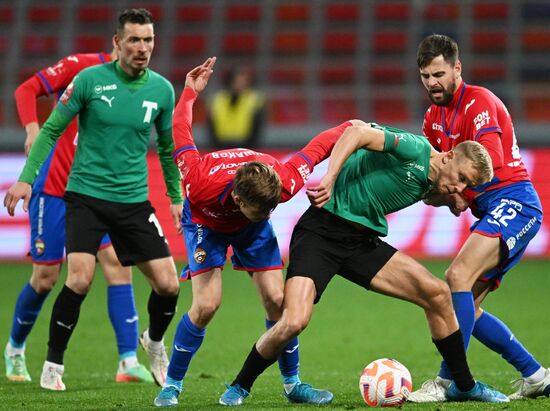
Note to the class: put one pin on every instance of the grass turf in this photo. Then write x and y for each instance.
(350, 328)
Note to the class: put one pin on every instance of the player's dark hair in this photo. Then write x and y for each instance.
(258, 185)
(134, 16)
(436, 45)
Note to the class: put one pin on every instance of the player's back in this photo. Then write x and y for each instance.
(209, 184)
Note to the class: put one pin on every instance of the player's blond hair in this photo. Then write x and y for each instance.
(258, 185)
(478, 155)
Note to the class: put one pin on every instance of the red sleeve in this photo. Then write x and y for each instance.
(296, 171)
(59, 76)
(185, 153)
(320, 146)
(493, 145)
(25, 100)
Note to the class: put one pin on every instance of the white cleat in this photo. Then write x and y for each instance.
(51, 378)
(431, 391)
(158, 359)
(531, 390)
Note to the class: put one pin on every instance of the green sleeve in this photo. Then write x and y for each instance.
(49, 134)
(403, 145)
(165, 146)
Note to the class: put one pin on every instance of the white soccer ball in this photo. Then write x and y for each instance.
(385, 383)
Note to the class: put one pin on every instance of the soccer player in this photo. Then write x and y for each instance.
(373, 171)
(118, 103)
(229, 197)
(508, 209)
(47, 219)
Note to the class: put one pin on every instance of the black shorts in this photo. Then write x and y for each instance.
(324, 245)
(134, 229)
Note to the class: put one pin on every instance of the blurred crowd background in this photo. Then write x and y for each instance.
(317, 62)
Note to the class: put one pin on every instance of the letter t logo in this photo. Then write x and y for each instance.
(150, 105)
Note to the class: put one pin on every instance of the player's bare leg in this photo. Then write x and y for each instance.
(402, 277)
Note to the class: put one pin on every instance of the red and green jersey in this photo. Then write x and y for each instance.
(373, 184)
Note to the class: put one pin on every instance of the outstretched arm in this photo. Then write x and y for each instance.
(198, 78)
(359, 135)
(195, 82)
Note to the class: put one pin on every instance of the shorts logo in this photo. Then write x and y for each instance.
(200, 255)
(511, 243)
(39, 246)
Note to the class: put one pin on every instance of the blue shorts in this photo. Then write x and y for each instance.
(47, 220)
(514, 214)
(254, 249)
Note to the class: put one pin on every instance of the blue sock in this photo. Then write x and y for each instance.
(465, 309)
(124, 318)
(289, 360)
(27, 308)
(187, 341)
(497, 336)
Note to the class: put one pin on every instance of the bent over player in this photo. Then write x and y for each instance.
(118, 103)
(374, 171)
(508, 209)
(229, 197)
(47, 220)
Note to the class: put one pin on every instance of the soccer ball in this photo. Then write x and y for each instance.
(385, 383)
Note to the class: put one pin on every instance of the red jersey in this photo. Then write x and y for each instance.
(208, 180)
(54, 79)
(477, 114)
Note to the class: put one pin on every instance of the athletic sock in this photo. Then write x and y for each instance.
(253, 366)
(28, 306)
(187, 341)
(127, 361)
(65, 313)
(124, 318)
(451, 349)
(463, 303)
(493, 333)
(162, 309)
(289, 360)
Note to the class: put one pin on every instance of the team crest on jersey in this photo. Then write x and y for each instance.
(67, 94)
(200, 255)
(39, 246)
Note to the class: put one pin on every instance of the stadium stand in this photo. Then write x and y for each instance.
(357, 60)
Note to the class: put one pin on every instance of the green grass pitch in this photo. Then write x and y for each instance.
(350, 328)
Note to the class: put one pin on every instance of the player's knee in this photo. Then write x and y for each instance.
(273, 304)
(167, 285)
(455, 277)
(437, 295)
(80, 284)
(44, 277)
(205, 311)
(293, 325)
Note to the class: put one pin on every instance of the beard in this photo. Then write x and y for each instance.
(445, 97)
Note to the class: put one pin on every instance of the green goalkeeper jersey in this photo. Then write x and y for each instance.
(116, 114)
(372, 184)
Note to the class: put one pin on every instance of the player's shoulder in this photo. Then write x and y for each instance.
(97, 70)
(160, 79)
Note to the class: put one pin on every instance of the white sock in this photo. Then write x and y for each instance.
(154, 345)
(537, 376)
(60, 367)
(12, 351)
(128, 362)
